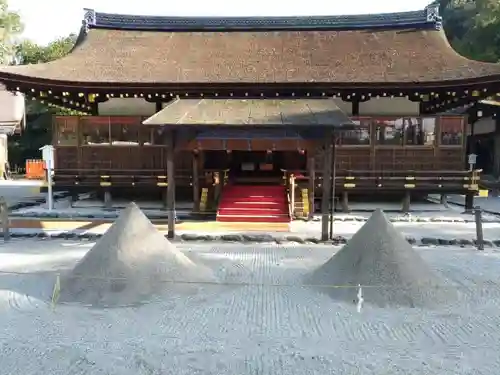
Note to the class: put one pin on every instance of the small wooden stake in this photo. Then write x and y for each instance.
(479, 228)
(406, 202)
(108, 200)
(4, 212)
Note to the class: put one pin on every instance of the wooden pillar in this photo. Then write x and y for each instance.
(444, 200)
(326, 185)
(355, 107)
(345, 202)
(470, 144)
(164, 198)
(311, 171)
(4, 217)
(170, 183)
(292, 194)
(469, 203)
(218, 181)
(406, 202)
(196, 182)
(72, 198)
(108, 199)
(496, 150)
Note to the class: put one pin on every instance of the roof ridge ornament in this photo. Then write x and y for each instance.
(89, 18)
(432, 11)
(421, 19)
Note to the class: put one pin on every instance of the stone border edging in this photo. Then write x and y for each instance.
(36, 202)
(246, 238)
(112, 216)
(413, 219)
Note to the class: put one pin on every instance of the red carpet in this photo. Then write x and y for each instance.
(253, 203)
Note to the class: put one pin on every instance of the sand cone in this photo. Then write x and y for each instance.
(132, 261)
(390, 271)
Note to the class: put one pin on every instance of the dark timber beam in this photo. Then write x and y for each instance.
(158, 106)
(312, 181)
(355, 107)
(170, 143)
(326, 184)
(196, 182)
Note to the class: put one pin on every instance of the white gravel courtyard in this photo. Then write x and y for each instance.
(258, 320)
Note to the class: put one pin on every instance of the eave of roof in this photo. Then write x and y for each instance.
(491, 102)
(253, 112)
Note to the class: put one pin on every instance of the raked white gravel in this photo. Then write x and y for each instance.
(271, 326)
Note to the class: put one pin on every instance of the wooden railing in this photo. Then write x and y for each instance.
(118, 177)
(387, 180)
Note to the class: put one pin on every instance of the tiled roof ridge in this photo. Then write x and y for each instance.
(427, 18)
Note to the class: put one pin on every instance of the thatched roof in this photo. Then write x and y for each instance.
(140, 51)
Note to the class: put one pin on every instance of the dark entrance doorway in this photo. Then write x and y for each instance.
(255, 164)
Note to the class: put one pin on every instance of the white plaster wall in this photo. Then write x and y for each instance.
(11, 107)
(4, 153)
(345, 107)
(483, 126)
(390, 107)
(140, 107)
(127, 107)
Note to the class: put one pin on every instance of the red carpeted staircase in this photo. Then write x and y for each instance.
(254, 203)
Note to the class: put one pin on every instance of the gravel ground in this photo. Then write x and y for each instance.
(260, 322)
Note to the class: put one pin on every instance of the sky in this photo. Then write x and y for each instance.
(57, 18)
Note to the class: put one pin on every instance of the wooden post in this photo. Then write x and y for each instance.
(326, 186)
(444, 200)
(345, 202)
(4, 213)
(333, 178)
(406, 202)
(479, 228)
(311, 184)
(108, 199)
(292, 194)
(72, 198)
(469, 202)
(196, 183)
(170, 184)
(217, 177)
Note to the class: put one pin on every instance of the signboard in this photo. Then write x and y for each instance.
(472, 159)
(48, 156)
(483, 193)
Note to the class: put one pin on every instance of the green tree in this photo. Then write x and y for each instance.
(10, 27)
(28, 52)
(473, 27)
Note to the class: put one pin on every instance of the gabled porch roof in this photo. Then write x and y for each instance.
(253, 112)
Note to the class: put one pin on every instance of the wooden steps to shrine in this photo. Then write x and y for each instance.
(254, 203)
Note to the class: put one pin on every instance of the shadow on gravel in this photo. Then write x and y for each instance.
(40, 286)
(37, 285)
